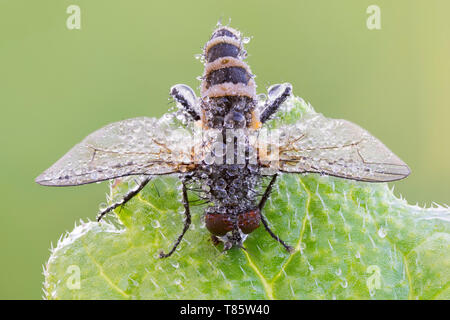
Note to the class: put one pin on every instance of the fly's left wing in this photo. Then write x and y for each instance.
(333, 147)
(139, 146)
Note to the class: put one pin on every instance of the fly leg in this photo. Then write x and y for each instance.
(125, 199)
(276, 96)
(187, 223)
(261, 206)
(185, 96)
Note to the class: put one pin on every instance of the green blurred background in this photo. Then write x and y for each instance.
(58, 85)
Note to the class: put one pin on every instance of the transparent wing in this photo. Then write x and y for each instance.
(139, 146)
(334, 147)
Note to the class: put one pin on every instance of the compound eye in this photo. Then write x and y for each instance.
(249, 221)
(218, 224)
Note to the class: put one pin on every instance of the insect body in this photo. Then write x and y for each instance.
(228, 168)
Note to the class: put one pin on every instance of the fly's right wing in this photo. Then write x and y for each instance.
(333, 147)
(139, 146)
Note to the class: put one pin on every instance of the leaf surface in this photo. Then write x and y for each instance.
(353, 240)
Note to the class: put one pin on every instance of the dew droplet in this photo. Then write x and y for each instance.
(381, 233)
(186, 92)
(277, 90)
(155, 224)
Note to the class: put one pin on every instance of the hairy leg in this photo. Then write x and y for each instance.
(277, 95)
(261, 206)
(130, 194)
(185, 96)
(187, 223)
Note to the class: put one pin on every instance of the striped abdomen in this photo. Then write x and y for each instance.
(227, 83)
(226, 74)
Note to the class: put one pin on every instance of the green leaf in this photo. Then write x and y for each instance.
(353, 240)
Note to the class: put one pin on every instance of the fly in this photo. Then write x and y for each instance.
(147, 147)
